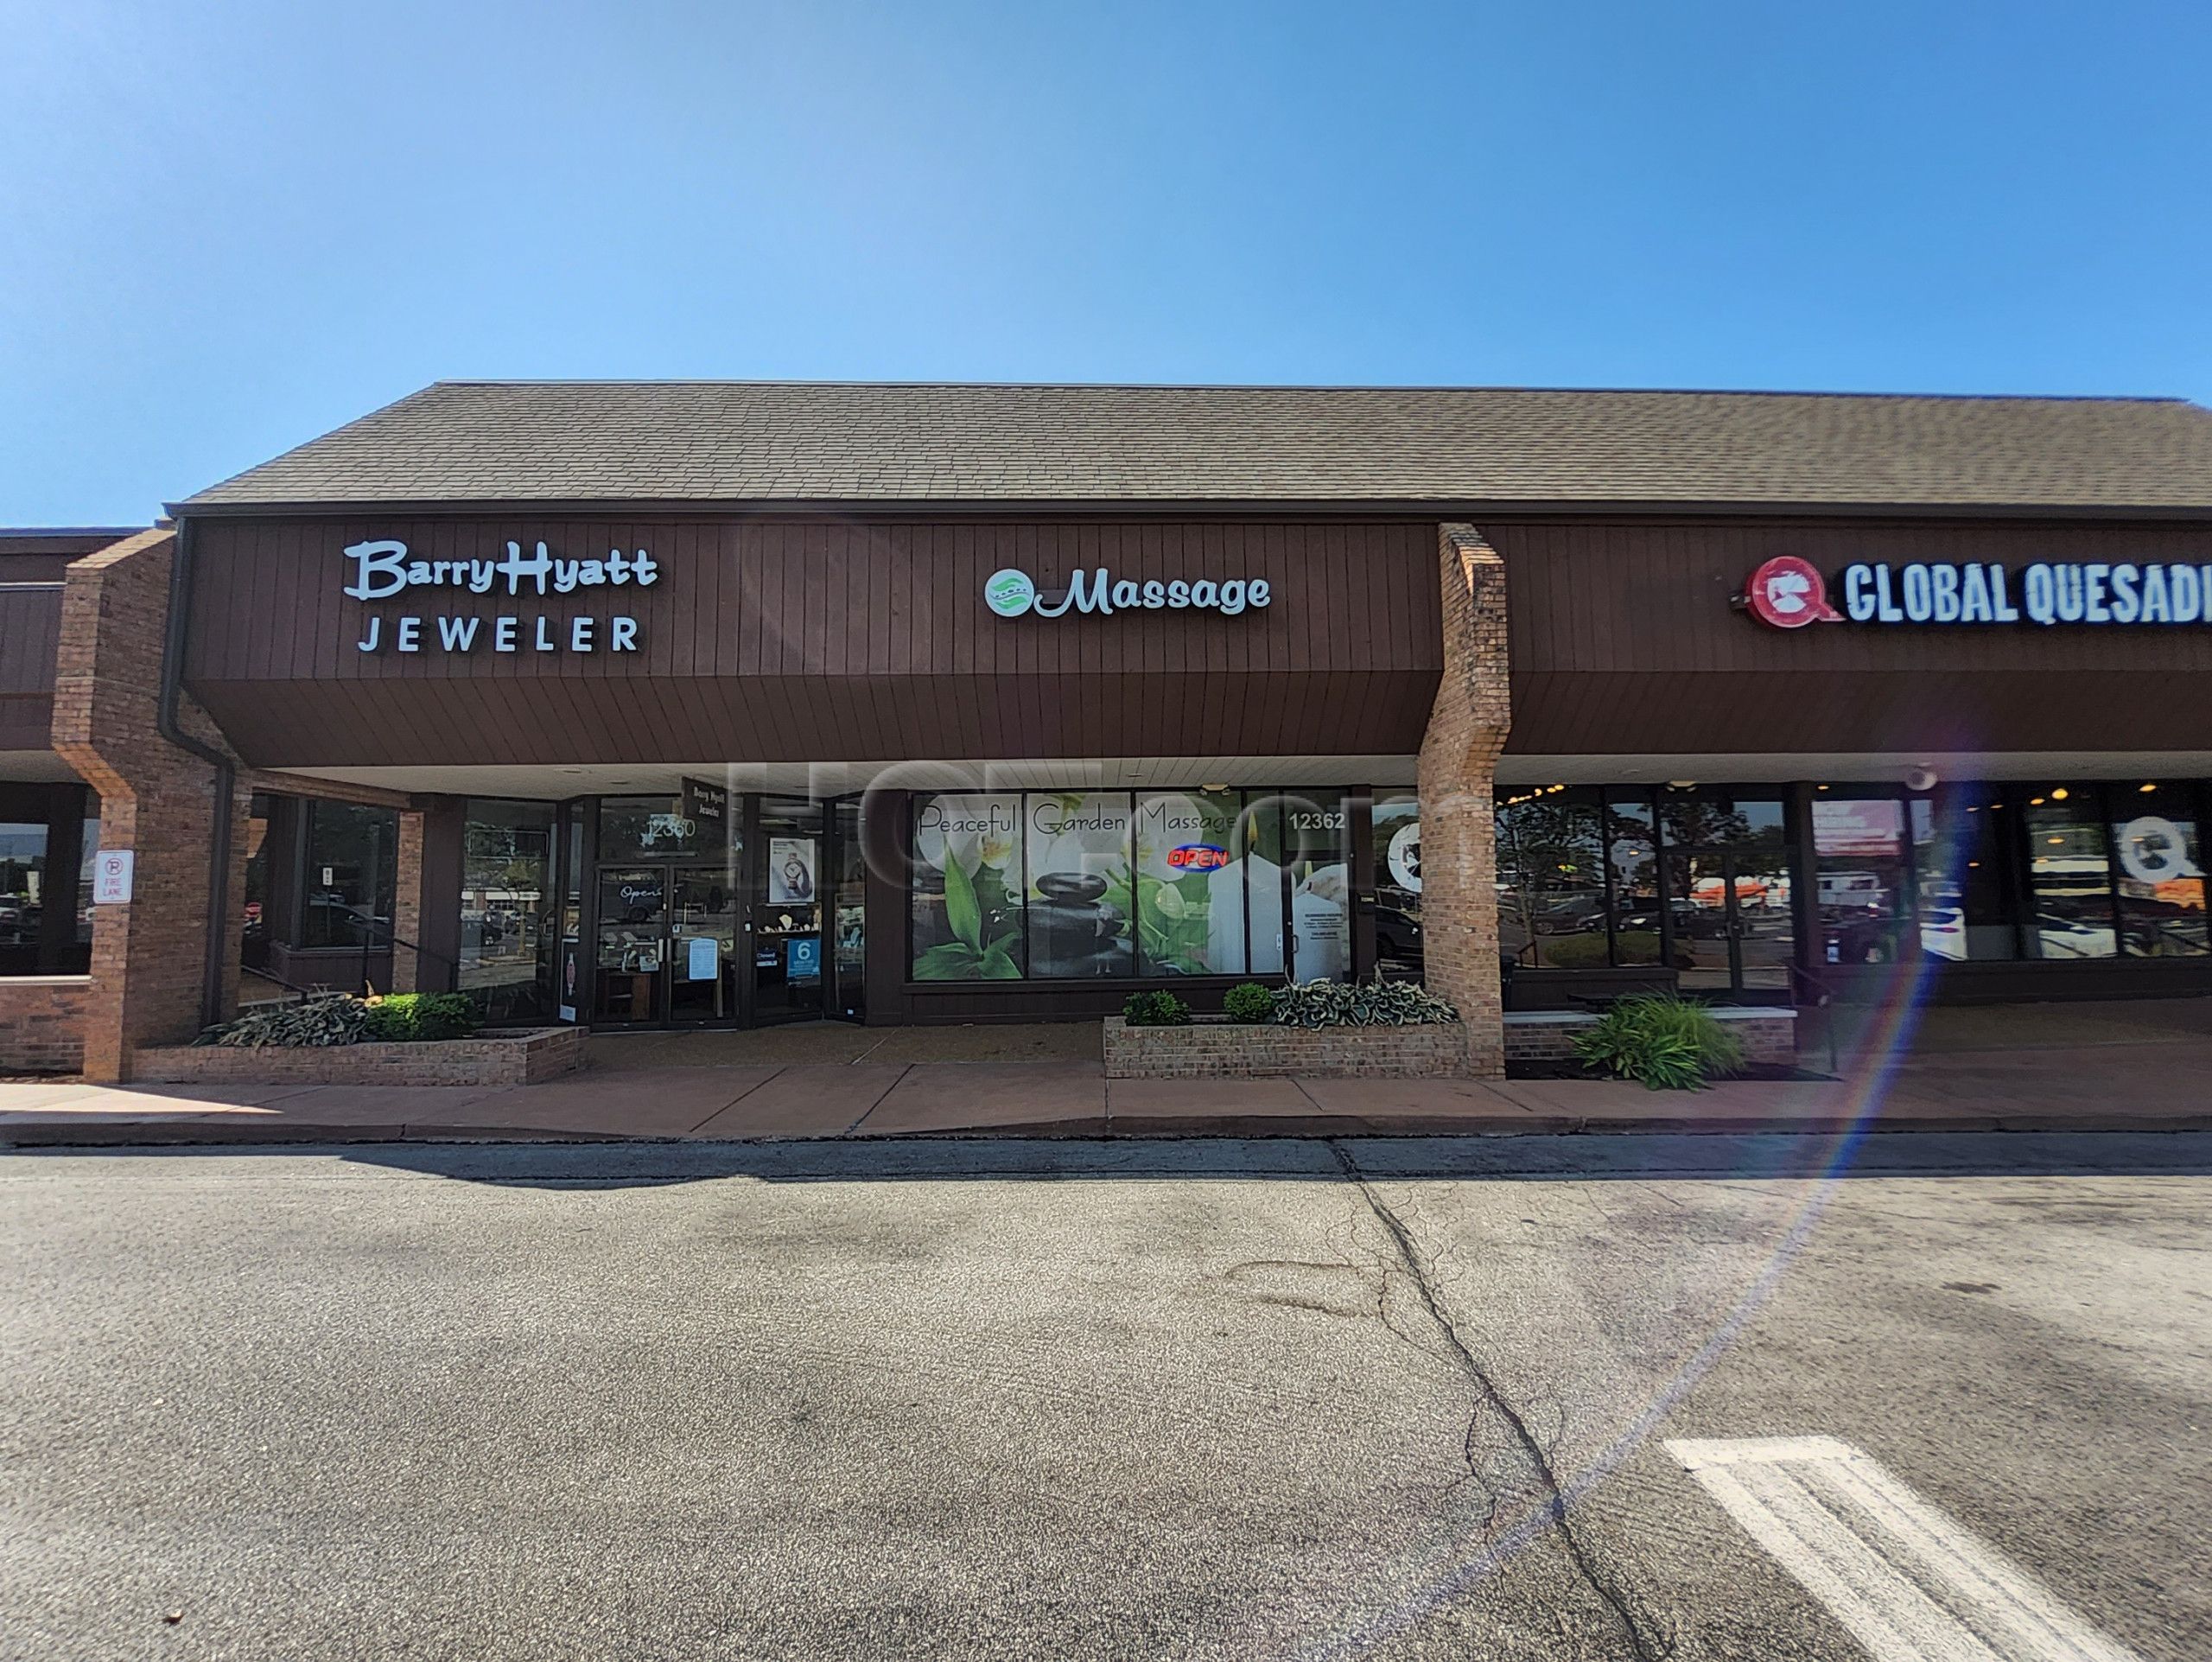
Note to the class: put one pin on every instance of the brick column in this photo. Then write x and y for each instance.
(158, 798)
(1459, 756)
(407, 972)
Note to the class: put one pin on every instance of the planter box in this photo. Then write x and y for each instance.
(1769, 1035)
(524, 1056)
(1214, 1049)
(43, 1022)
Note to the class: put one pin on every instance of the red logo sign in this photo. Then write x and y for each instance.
(1788, 592)
(1196, 856)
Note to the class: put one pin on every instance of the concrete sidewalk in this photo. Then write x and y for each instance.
(2094, 1087)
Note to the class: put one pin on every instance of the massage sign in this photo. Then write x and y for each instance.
(384, 570)
(1789, 593)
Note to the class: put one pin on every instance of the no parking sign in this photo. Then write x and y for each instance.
(112, 870)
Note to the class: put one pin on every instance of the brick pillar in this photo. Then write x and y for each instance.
(407, 972)
(158, 798)
(1459, 756)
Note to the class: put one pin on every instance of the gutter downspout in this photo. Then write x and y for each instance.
(166, 723)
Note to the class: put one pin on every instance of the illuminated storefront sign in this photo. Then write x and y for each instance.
(1788, 593)
(384, 568)
(1013, 593)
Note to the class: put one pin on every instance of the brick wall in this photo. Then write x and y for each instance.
(42, 1024)
(1211, 1050)
(1549, 1036)
(522, 1057)
(1467, 727)
(157, 799)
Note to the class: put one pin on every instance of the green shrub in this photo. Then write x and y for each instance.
(334, 1019)
(1155, 1010)
(1667, 1043)
(1249, 1002)
(1377, 1004)
(413, 1018)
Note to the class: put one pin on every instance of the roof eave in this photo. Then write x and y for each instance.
(1125, 507)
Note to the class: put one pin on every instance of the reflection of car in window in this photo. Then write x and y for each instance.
(2066, 938)
(1943, 933)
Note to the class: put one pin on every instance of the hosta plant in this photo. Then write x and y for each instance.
(336, 1019)
(1377, 1004)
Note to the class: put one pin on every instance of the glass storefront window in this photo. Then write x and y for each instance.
(506, 868)
(253, 937)
(1317, 853)
(654, 828)
(22, 892)
(1862, 873)
(2069, 875)
(1397, 885)
(2160, 880)
(1632, 854)
(1716, 820)
(1551, 876)
(1958, 854)
(353, 854)
(967, 887)
(1192, 864)
(1081, 893)
(848, 918)
(88, 848)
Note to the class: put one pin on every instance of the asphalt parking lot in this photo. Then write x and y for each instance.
(1440, 1397)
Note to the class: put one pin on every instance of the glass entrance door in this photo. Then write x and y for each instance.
(1729, 917)
(702, 956)
(633, 944)
(787, 968)
(667, 945)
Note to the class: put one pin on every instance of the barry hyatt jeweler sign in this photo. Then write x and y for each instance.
(1788, 593)
(384, 568)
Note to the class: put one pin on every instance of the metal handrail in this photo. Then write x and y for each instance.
(369, 923)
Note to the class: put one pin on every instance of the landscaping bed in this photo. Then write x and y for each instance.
(1326, 1030)
(1212, 1048)
(405, 1039)
(523, 1056)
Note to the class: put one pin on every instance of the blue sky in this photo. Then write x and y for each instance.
(229, 227)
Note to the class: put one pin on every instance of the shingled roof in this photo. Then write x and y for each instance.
(801, 442)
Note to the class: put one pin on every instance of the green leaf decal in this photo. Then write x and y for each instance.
(960, 908)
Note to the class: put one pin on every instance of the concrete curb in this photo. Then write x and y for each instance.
(200, 1133)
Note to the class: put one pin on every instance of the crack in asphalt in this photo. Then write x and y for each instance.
(1647, 1647)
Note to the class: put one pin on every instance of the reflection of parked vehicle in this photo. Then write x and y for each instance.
(1943, 933)
(1857, 935)
(2066, 938)
(1691, 921)
(1397, 934)
(1856, 890)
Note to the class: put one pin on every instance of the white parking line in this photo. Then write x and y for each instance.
(1910, 1584)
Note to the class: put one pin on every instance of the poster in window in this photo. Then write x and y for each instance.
(790, 870)
(1080, 896)
(572, 958)
(1192, 863)
(967, 888)
(702, 958)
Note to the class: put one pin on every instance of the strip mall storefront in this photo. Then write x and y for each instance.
(736, 763)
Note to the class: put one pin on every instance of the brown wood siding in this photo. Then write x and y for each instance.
(1624, 641)
(30, 633)
(772, 640)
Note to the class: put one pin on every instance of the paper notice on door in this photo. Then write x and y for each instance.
(703, 959)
